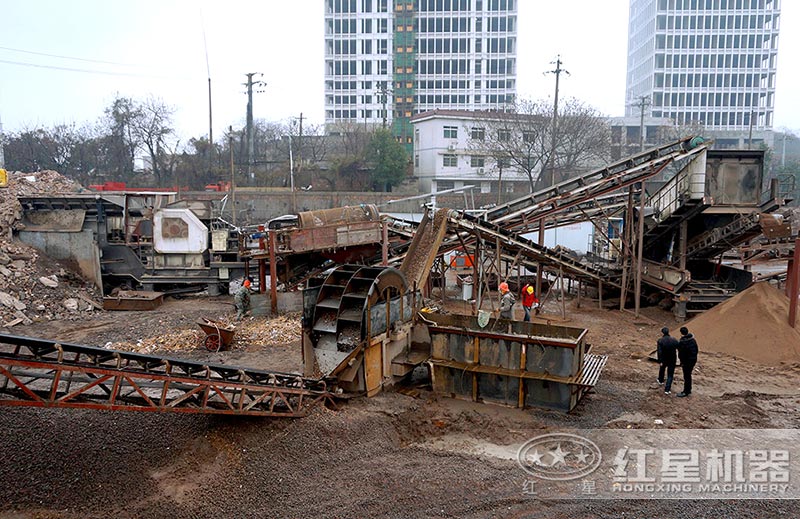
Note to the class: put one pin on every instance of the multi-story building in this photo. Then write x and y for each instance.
(386, 60)
(710, 63)
(450, 152)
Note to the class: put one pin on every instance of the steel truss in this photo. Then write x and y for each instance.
(44, 373)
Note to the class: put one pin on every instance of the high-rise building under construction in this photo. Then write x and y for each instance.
(386, 60)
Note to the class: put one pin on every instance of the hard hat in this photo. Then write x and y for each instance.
(504, 287)
(246, 283)
(529, 290)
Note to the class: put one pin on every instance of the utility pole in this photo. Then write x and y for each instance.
(210, 129)
(3, 162)
(249, 131)
(300, 145)
(552, 158)
(750, 133)
(384, 93)
(291, 175)
(233, 177)
(644, 102)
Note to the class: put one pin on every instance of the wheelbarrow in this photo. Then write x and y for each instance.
(219, 336)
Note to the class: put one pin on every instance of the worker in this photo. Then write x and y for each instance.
(667, 358)
(242, 300)
(529, 301)
(687, 352)
(507, 301)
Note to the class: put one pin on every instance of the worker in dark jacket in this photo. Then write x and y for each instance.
(507, 301)
(667, 358)
(687, 352)
(242, 300)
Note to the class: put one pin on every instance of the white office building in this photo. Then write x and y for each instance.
(386, 60)
(704, 62)
(449, 154)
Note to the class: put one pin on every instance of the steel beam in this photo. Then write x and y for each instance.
(43, 373)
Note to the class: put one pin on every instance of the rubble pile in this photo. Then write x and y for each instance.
(251, 332)
(181, 340)
(35, 288)
(29, 184)
(259, 332)
(32, 286)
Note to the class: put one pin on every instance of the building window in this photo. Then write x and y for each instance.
(478, 134)
(449, 161)
(451, 132)
(503, 135)
(528, 136)
(477, 161)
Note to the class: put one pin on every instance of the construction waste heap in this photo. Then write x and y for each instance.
(33, 287)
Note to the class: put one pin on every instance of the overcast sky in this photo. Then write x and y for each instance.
(156, 47)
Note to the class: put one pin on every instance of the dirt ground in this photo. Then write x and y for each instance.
(373, 457)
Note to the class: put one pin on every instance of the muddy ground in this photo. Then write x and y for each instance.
(372, 457)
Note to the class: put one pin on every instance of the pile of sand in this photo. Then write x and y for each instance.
(752, 325)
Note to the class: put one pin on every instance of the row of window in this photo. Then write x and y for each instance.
(457, 24)
(714, 22)
(706, 100)
(716, 119)
(478, 133)
(716, 41)
(450, 160)
(443, 66)
(712, 80)
(424, 46)
(439, 84)
(714, 4)
(381, 6)
(443, 45)
(442, 5)
(349, 6)
(710, 61)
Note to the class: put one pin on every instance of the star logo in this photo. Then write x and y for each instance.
(535, 458)
(582, 457)
(558, 456)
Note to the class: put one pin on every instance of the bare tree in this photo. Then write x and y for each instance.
(583, 138)
(151, 126)
(521, 138)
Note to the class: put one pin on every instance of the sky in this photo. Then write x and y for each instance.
(158, 48)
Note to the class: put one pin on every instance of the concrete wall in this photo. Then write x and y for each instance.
(76, 248)
(257, 207)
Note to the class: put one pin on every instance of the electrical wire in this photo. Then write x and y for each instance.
(89, 71)
(71, 57)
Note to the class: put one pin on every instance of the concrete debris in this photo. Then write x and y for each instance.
(70, 304)
(10, 301)
(49, 281)
(35, 287)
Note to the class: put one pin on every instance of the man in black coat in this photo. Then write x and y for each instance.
(667, 358)
(687, 352)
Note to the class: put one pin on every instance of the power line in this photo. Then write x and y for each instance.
(71, 57)
(88, 71)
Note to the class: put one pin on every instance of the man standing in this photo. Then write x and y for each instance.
(242, 300)
(529, 301)
(687, 352)
(667, 358)
(506, 302)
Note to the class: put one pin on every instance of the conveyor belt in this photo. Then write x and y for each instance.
(45, 373)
